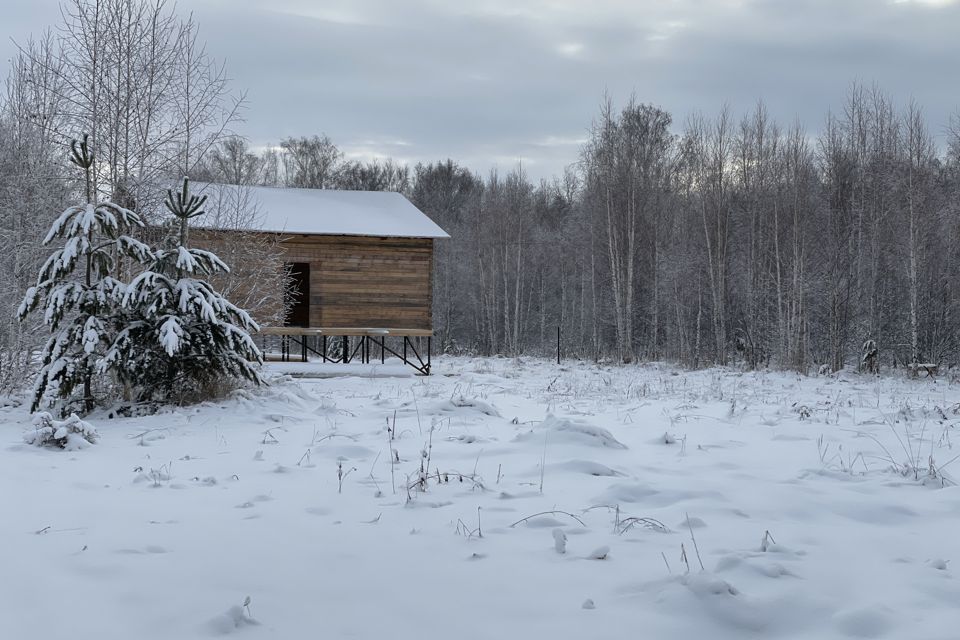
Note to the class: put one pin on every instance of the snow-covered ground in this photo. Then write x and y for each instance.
(812, 503)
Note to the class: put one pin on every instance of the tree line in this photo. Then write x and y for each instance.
(134, 78)
(719, 239)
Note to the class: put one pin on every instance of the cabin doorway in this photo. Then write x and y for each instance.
(298, 295)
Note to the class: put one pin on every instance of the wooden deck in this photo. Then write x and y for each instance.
(344, 331)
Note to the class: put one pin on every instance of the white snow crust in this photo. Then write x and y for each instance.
(821, 507)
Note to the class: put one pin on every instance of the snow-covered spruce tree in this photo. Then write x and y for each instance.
(80, 307)
(182, 337)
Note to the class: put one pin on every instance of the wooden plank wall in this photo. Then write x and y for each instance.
(356, 281)
(359, 281)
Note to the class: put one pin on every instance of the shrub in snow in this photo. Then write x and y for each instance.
(80, 307)
(70, 434)
(181, 338)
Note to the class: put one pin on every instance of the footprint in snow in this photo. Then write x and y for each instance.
(694, 523)
(753, 564)
(872, 621)
(587, 467)
(149, 549)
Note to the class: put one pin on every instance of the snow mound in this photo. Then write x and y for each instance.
(559, 541)
(71, 434)
(751, 565)
(462, 402)
(572, 431)
(864, 622)
(544, 522)
(600, 553)
(705, 584)
(642, 493)
(587, 467)
(692, 523)
(231, 620)
(716, 603)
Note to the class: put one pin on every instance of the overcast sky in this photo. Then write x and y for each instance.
(492, 82)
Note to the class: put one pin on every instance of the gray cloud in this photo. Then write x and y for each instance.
(491, 82)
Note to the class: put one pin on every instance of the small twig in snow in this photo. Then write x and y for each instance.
(548, 513)
(692, 537)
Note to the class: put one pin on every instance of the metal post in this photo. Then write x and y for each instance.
(383, 357)
(405, 349)
(346, 349)
(429, 349)
(303, 347)
(324, 348)
(558, 344)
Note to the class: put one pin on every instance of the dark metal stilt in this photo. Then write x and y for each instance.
(410, 351)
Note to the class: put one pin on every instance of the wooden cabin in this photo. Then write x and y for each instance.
(361, 262)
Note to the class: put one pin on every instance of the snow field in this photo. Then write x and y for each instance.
(817, 506)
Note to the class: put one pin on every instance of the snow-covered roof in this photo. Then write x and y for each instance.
(333, 212)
